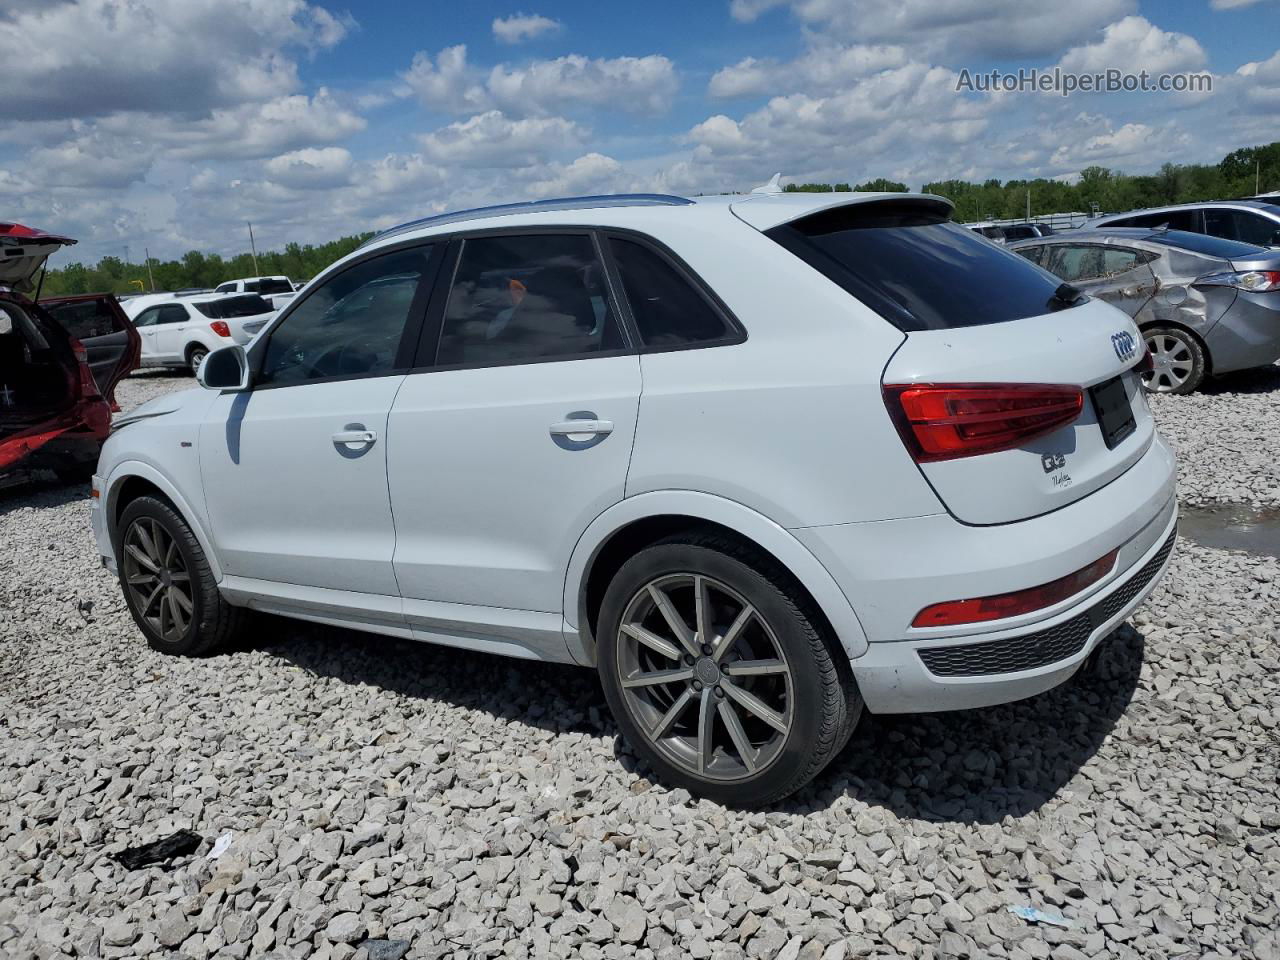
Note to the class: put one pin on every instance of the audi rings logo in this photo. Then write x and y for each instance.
(1125, 345)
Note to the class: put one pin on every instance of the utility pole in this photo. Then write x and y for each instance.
(1257, 174)
(150, 276)
(1028, 204)
(253, 248)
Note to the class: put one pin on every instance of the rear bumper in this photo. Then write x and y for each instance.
(921, 676)
(1248, 335)
(891, 570)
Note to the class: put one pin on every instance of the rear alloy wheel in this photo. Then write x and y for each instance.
(716, 674)
(1177, 361)
(195, 356)
(168, 584)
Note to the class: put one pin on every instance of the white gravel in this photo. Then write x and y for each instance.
(384, 796)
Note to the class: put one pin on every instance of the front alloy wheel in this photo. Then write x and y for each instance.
(157, 579)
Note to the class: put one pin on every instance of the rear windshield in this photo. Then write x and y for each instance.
(917, 270)
(1209, 246)
(268, 285)
(229, 307)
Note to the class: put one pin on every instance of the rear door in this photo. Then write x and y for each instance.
(96, 320)
(987, 334)
(1119, 275)
(516, 430)
(172, 325)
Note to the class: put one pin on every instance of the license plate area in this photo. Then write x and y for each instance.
(1114, 412)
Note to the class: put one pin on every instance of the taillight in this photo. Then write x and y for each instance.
(1013, 604)
(220, 328)
(1147, 364)
(88, 386)
(945, 421)
(1252, 281)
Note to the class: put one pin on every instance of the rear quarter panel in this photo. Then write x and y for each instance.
(790, 423)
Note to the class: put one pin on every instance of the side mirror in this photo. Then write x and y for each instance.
(226, 368)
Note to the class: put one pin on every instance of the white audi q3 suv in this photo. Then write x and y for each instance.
(762, 461)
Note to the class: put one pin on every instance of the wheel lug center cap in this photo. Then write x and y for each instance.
(707, 671)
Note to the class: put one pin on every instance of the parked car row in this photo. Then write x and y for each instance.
(180, 331)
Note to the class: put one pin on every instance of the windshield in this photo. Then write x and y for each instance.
(916, 270)
(228, 308)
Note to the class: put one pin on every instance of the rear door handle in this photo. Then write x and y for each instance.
(575, 428)
(355, 436)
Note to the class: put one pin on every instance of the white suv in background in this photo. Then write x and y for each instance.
(181, 331)
(277, 290)
(760, 461)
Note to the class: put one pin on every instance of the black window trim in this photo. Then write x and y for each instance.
(413, 323)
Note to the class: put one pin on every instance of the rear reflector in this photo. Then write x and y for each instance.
(945, 421)
(1003, 605)
(220, 328)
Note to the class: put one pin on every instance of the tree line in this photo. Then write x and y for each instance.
(1098, 188)
(1239, 174)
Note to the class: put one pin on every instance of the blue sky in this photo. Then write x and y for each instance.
(167, 125)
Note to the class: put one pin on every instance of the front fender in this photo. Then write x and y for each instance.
(126, 469)
(744, 521)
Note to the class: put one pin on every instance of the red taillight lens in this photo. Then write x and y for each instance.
(88, 386)
(1013, 604)
(944, 421)
(1146, 364)
(220, 328)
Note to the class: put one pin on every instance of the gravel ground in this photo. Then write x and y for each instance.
(383, 796)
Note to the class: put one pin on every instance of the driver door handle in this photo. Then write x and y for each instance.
(572, 428)
(355, 436)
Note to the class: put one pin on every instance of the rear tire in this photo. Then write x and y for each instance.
(194, 356)
(1178, 359)
(168, 584)
(746, 703)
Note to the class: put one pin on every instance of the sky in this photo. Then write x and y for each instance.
(167, 124)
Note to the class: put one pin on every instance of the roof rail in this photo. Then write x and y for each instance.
(537, 206)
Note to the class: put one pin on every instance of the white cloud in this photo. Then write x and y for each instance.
(91, 159)
(97, 57)
(1012, 28)
(589, 174)
(824, 68)
(1135, 43)
(492, 139)
(523, 26)
(1233, 4)
(1127, 143)
(311, 167)
(631, 84)
(447, 83)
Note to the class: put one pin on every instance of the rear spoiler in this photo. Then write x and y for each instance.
(766, 211)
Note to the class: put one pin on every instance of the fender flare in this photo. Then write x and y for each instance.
(127, 469)
(772, 537)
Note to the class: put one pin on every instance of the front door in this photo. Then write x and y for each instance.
(519, 433)
(295, 470)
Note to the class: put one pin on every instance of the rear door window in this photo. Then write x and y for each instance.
(521, 298)
(172, 313)
(917, 270)
(84, 319)
(668, 310)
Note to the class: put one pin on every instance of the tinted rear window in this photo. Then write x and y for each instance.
(230, 307)
(916, 270)
(1209, 246)
(273, 285)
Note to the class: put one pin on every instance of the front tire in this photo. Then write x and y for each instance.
(168, 584)
(720, 673)
(1178, 361)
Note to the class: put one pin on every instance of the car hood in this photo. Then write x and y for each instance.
(159, 407)
(23, 251)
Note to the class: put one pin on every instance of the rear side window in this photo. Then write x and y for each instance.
(523, 298)
(1242, 226)
(1034, 252)
(668, 310)
(1171, 219)
(917, 270)
(231, 307)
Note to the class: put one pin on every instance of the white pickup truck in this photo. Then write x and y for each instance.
(275, 290)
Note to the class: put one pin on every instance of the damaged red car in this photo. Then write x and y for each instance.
(60, 361)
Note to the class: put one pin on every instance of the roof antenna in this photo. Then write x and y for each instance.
(773, 186)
